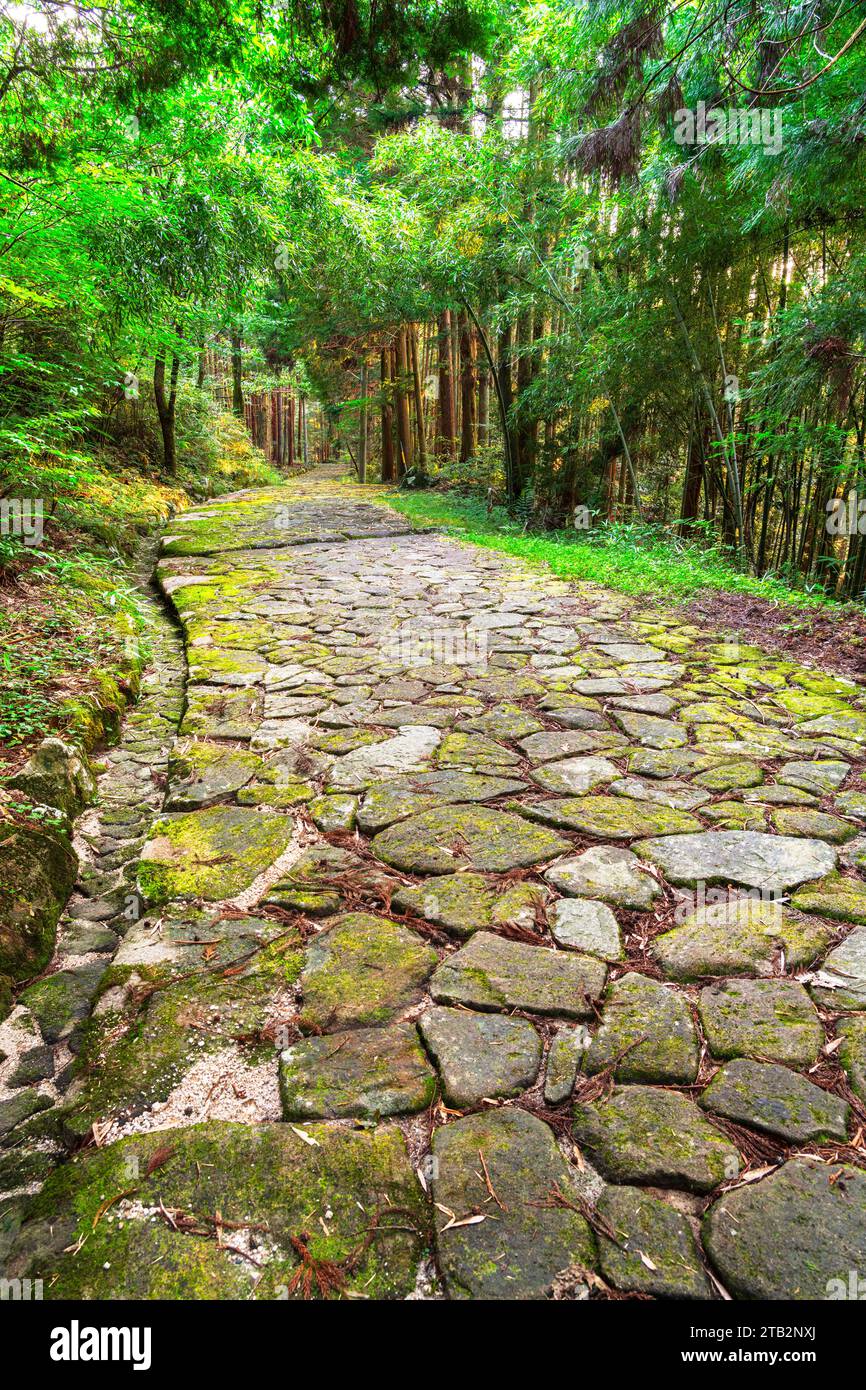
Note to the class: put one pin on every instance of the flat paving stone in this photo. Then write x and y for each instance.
(465, 903)
(776, 1101)
(480, 1056)
(564, 1056)
(555, 747)
(771, 1019)
(794, 1235)
(671, 791)
(575, 775)
(211, 854)
(651, 730)
(654, 1137)
(610, 817)
(492, 973)
(852, 1053)
(841, 981)
(769, 862)
(646, 1034)
(614, 875)
(654, 1250)
(401, 797)
(473, 837)
(520, 1246)
(361, 971)
(580, 924)
(739, 936)
(367, 1073)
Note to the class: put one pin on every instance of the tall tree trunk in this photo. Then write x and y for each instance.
(404, 429)
(419, 400)
(362, 426)
(237, 374)
(447, 429)
(165, 407)
(387, 409)
(468, 383)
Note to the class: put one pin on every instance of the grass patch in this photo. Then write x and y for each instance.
(638, 559)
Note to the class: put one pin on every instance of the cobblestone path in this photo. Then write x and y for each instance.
(474, 934)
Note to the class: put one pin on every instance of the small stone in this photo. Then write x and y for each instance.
(682, 796)
(852, 803)
(771, 1019)
(838, 897)
(799, 821)
(563, 1059)
(779, 796)
(362, 970)
(606, 872)
(454, 837)
(518, 1254)
(841, 981)
(581, 924)
(670, 762)
(651, 731)
(553, 747)
(465, 903)
(777, 1101)
(335, 812)
(367, 1073)
(654, 1252)
(480, 1056)
(503, 721)
(575, 775)
(646, 1034)
(769, 862)
(493, 973)
(852, 1053)
(654, 1137)
(610, 817)
(739, 936)
(796, 1234)
(819, 776)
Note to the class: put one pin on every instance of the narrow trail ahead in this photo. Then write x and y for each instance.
(493, 939)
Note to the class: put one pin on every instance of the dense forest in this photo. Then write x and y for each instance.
(600, 262)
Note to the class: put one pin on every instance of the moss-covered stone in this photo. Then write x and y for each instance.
(494, 973)
(610, 817)
(202, 773)
(796, 820)
(835, 896)
(465, 903)
(211, 854)
(368, 1073)
(518, 1250)
(653, 1249)
(852, 1053)
(363, 970)
(771, 1019)
(796, 1234)
(739, 936)
(322, 1187)
(646, 1034)
(777, 1101)
(650, 1136)
(37, 872)
(400, 797)
(62, 1000)
(454, 837)
(480, 1056)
